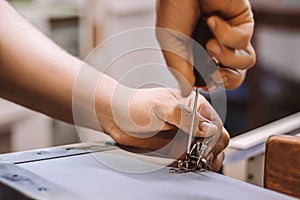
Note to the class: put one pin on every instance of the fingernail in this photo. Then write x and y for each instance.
(211, 23)
(215, 49)
(208, 128)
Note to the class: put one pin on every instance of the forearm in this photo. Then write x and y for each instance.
(35, 72)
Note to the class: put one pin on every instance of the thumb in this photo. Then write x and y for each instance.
(182, 71)
(181, 116)
(177, 51)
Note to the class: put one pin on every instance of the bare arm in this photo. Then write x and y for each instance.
(30, 65)
(38, 74)
(35, 72)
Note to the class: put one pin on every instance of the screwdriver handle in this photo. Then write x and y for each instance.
(204, 65)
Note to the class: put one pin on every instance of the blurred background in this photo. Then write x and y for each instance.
(270, 92)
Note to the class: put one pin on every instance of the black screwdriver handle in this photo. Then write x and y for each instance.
(204, 65)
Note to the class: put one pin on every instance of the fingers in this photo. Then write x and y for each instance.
(232, 58)
(150, 143)
(169, 143)
(181, 116)
(234, 80)
(228, 9)
(217, 163)
(228, 78)
(236, 37)
(221, 144)
(216, 156)
(231, 45)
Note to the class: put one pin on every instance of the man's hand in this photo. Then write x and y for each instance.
(231, 23)
(151, 119)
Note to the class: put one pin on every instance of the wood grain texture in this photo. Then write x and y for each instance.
(282, 164)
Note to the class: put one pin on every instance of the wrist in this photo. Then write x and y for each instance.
(110, 102)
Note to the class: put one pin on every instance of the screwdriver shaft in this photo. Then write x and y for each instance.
(193, 121)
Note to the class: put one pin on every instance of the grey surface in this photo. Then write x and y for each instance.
(86, 177)
(29, 185)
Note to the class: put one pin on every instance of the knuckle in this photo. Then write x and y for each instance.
(252, 60)
(244, 40)
(251, 57)
(240, 41)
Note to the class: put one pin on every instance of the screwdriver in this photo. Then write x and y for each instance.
(204, 67)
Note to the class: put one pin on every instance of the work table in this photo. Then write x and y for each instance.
(86, 171)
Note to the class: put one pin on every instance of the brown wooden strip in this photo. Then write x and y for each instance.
(282, 164)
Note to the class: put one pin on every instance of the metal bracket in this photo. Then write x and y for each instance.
(194, 160)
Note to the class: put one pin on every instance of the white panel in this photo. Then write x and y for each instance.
(32, 133)
(279, 51)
